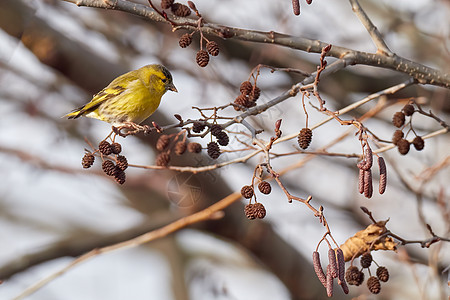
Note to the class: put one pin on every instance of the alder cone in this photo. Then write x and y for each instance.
(185, 40)
(382, 273)
(403, 146)
(88, 160)
(194, 147)
(398, 119)
(408, 109)
(305, 138)
(202, 58)
(162, 142)
(260, 210)
(398, 135)
(163, 159)
(212, 48)
(264, 187)
(213, 150)
(246, 87)
(180, 10)
(180, 147)
(105, 147)
(247, 191)
(418, 143)
(109, 168)
(374, 285)
(166, 4)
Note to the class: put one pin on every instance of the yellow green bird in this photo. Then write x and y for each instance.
(130, 98)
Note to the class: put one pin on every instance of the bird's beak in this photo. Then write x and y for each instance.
(172, 88)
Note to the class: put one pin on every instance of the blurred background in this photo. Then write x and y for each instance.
(54, 56)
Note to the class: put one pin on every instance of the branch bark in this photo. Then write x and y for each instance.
(421, 73)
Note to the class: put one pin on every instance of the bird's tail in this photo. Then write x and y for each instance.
(76, 113)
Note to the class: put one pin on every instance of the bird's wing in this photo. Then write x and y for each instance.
(112, 90)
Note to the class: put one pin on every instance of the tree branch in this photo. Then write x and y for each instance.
(203, 215)
(421, 73)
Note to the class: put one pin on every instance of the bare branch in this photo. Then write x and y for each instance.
(371, 29)
(421, 73)
(200, 216)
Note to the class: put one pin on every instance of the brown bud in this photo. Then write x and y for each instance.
(192, 5)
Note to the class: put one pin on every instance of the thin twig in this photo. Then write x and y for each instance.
(382, 48)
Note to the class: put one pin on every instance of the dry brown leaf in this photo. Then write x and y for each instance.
(370, 238)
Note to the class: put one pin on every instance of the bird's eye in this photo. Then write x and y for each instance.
(164, 80)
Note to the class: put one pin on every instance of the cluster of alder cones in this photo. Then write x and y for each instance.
(398, 138)
(255, 210)
(248, 96)
(218, 133)
(168, 144)
(112, 166)
(355, 276)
